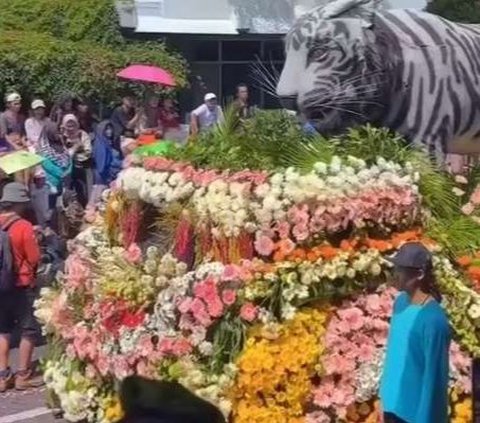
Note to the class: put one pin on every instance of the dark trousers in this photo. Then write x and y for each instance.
(392, 418)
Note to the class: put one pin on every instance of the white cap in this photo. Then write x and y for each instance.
(9, 98)
(37, 104)
(210, 96)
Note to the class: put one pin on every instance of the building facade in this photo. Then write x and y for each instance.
(226, 42)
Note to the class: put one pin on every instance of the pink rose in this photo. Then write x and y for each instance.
(199, 312)
(249, 312)
(133, 255)
(475, 198)
(230, 273)
(229, 297)
(468, 209)
(353, 316)
(301, 232)
(103, 364)
(181, 347)
(264, 246)
(283, 229)
(215, 308)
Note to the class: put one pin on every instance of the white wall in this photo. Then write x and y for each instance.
(197, 9)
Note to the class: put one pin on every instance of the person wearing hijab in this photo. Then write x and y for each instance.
(107, 160)
(57, 163)
(79, 145)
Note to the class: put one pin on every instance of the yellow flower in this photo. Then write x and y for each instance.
(464, 409)
(274, 379)
(113, 412)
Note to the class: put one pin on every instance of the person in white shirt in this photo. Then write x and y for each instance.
(207, 115)
(34, 124)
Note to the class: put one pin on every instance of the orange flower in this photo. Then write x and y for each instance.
(349, 245)
(378, 244)
(464, 261)
(278, 256)
(474, 273)
(328, 252)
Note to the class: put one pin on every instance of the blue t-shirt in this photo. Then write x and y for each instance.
(414, 384)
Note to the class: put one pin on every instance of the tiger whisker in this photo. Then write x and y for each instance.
(261, 69)
(264, 85)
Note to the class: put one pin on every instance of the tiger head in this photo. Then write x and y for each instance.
(333, 73)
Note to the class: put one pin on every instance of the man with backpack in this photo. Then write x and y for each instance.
(19, 259)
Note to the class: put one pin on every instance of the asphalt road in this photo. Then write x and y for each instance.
(25, 407)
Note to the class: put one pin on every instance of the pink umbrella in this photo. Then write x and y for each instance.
(146, 73)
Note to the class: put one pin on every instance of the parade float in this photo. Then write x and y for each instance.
(264, 291)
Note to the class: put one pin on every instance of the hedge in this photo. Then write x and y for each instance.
(74, 20)
(41, 64)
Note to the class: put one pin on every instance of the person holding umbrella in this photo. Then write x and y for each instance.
(125, 117)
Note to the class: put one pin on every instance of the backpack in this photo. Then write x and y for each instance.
(8, 275)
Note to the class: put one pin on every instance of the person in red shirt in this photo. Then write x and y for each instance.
(16, 306)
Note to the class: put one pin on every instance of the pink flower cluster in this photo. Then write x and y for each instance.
(382, 206)
(79, 273)
(354, 335)
(212, 298)
(200, 177)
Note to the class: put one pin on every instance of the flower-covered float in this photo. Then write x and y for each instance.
(262, 291)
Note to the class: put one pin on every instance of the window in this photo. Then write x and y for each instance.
(203, 51)
(237, 51)
(274, 51)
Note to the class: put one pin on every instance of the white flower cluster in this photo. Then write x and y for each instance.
(234, 206)
(157, 188)
(299, 281)
(78, 396)
(368, 377)
(224, 205)
(209, 386)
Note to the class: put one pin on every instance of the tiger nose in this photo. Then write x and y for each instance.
(289, 102)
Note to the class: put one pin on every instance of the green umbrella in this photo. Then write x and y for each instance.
(156, 149)
(19, 160)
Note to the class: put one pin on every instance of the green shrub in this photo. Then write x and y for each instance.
(74, 20)
(40, 64)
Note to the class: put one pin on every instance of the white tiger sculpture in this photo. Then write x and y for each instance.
(352, 62)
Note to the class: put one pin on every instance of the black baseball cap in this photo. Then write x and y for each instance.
(413, 255)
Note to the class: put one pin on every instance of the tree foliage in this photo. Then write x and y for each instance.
(456, 10)
(50, 47)
(74, 20)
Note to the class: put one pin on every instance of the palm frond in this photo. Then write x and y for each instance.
(436, 187)
(457, 235)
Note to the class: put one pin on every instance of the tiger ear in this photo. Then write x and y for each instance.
(359, 9)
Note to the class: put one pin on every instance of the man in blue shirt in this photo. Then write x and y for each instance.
(414, 386)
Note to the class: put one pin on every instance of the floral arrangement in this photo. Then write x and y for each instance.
(214, 278)
(284, 205)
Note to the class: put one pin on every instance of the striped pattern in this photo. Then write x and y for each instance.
(411, 71)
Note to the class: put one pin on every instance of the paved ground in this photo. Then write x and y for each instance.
(25, 407)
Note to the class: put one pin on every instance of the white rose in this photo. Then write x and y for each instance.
(474, 311)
